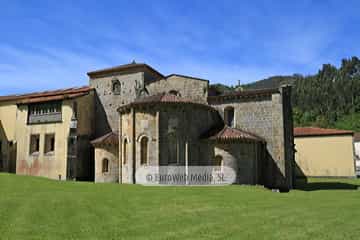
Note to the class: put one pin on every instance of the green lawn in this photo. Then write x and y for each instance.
(37, 208)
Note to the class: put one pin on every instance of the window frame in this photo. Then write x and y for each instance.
(144, 154)
(218, 167)
(173, 141)
(125, 151)
(175, 92)
(116, 82)
(50, 150)
(227, 111)
(34, 150)
(105, 167)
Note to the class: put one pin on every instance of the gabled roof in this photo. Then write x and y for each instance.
(46, 96)
(230, 134)
(163, 98)
(185, 76)
(315, 131)
(124, 67)
(111, 138)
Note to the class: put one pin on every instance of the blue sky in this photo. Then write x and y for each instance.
(52, 44)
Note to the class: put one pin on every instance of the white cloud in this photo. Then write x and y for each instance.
(47, 69)
(226, 50)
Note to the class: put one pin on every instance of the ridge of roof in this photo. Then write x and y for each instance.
(123, 67)
(44, 94)
(186, 76)
(316, 131)
(226, 133)
(109, 138)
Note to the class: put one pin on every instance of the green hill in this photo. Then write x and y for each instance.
(273, 82)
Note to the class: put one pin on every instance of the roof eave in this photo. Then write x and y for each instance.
(121, 68)
(47, 94)
(185, 76)
(324, 135)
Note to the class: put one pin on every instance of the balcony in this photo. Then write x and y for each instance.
(45, 118)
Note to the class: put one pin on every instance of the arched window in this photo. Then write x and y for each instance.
(174, 92)
(173, 149)
(116, 86)
(125, 151)
(218, 161)
(105, 165)
(229, 116)
(144, 150)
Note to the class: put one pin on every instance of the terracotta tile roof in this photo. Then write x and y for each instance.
(123, 68)
(314, 131)
(163, 98)
(227, 133)
(111, 138)
(243, 94)
(47, 95)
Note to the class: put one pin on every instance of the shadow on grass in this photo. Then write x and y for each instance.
(334, 185)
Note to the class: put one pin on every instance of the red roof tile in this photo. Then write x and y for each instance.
(48, 95)
(314, 131)
(111, 138)
(228, 133)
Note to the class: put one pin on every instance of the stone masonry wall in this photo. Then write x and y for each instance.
(242, 158)
(136, 125)
(126, 134)
(191, 88)
(264, 116)
(107, 102)
(111, 153)
(188, 129)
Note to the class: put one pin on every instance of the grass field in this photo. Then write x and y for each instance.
(37, 208)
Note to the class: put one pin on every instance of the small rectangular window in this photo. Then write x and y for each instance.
(105, 165)
(34, 144)
(49, 143)
(125, 151)
(229, 116)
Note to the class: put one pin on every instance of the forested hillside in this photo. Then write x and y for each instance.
(272, 82)
(329, 98)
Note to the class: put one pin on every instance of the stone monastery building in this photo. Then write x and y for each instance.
(132, 115)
